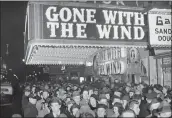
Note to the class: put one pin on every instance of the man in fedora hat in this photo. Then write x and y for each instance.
(30, 110)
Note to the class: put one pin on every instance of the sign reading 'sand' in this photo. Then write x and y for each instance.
(92, 23)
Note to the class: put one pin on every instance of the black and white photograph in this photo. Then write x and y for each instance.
(86, 59)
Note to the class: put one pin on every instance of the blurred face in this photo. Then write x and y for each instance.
(101, 112)
(33, 89)
(131, 94)
(108, 96)
(45, 94)
(127, 89)
(164, 90)
(57, 93)
(117, 93)
(136, 109)
(168, 100)
(74, 111)
(77, 99)
(116, 100)
(93, 102)
(154, 106)
(85, 95)
(148, 100)
(139, 101)
(96, 92)
(32, 100)
(165, 115)
(69, 106)
(68, 88)
(103, 101)
(38, 93)
(116, 81)
(90, 92)
(55, 107)
(27, 93)
(124, 103)
(115, 110)
(75, 87)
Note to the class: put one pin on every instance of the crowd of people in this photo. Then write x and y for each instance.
(50, 99)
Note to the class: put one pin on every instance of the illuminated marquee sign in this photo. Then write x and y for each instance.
(111, 61)
(61, 22)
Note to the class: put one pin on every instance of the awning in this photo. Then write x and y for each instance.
(69, 52)
(162, 53)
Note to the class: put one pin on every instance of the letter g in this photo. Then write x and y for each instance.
(54, 16)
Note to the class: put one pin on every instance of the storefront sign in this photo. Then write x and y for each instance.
(92, 23)
(160, 31)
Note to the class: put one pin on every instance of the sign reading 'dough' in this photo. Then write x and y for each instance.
(160, 27)
(92, 23)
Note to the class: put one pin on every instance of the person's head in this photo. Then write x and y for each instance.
(55, 104)
(74, 109)
(90, 92)
(116, 80)
(168, 98)
(103, 99)
(134, 105)
(116, 99)
(27, 92)
(127, 89)
(32, 98)
(165, 112)
(154, 104)
(107, 96)
(16, 116)
(150, 97)
(33, 88)
(131, 94)
(128, 114)
(68, 88)
(125, 100)
(75, 87)
(93, 100)
(57, 93)
(96, 92)
(165, 89)
(137, 97)
(118, 109)
(85, 94)
(101, 110)
(76, 97)
(69, 104)
(45, 94)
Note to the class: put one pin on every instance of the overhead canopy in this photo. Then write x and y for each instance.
(72, 52)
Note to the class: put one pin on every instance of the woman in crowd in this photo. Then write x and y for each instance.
(91, 100)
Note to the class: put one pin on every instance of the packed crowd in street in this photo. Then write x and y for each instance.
(95, 99)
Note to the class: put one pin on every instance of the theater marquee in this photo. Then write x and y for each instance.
(92, 23)
(71, 33)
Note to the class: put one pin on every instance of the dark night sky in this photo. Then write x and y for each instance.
(12, 28)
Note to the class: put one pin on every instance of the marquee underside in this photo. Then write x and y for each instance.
(69, 52)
